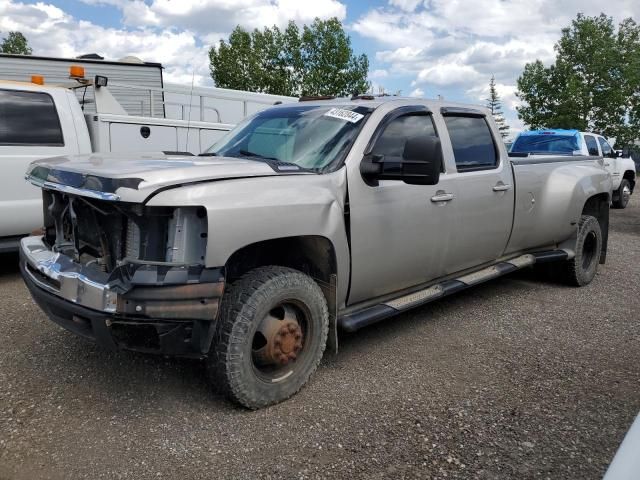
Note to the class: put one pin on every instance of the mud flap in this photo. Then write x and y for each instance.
(332, 339)
(330, 291)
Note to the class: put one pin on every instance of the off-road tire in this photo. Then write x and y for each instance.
(243, 307)
(621, 201)
(581, 270)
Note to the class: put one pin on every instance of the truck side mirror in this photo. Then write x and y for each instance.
(421, 163)
(422, 160)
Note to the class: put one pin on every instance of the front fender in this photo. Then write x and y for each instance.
(244, 211)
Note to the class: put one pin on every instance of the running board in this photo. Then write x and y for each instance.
(368, 316)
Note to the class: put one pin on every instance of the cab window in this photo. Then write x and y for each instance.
(606, 148)
(390, 143)
(592, 145)
(29, 118)
(472, 142)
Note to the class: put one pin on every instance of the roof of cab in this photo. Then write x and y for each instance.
(375, 101)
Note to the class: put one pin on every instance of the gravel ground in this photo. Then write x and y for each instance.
(518, 378)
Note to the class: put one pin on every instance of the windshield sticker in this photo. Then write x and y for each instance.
(342, 114)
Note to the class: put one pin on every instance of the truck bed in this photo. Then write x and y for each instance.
(546, 190)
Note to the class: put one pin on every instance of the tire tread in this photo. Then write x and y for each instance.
(573, 267)
(236, 313)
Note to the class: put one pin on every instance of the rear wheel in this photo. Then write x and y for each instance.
(271, 335)
(623, 194)
(583, 267)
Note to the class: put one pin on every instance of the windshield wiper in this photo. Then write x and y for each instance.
(247, 153)
(279, 165)
(208, 154)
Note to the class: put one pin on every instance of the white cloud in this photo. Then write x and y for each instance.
(448, 74)
(174, 33)
(457, 45)
(417, 92)
(203, 16)
(52, 32)
(397, 28)
(406, 5)
(379, 73)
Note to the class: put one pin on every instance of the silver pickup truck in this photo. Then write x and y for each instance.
(304, 219)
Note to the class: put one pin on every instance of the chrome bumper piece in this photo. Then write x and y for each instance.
(60, 275)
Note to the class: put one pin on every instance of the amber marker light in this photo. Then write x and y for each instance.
(76, 71)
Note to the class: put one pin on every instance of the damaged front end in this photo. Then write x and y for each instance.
(126, 275)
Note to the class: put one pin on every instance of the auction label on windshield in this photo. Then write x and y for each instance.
(342, 114)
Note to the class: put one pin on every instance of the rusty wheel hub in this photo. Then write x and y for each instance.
(282, 337)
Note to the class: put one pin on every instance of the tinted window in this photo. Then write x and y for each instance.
(545, 143)
(592, 145)
(28, 118)
(472, 143)
(391, 141)
(606, 148)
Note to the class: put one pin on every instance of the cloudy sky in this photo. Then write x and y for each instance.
(422, 48)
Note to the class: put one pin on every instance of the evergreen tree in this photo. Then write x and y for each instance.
(495, 105)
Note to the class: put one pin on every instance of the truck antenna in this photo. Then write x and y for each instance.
(193, 75)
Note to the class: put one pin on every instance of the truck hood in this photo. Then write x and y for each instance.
(133, 178)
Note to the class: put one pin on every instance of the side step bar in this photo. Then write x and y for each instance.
(370, 315)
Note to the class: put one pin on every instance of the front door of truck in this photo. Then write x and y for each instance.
(484, 180)
(399, 233)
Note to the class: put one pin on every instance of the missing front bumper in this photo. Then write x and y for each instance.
(149, 308)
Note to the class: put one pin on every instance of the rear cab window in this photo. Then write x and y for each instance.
(29, 119)
(473, 144)
(547, 142)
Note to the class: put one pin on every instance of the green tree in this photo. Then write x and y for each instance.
(495, 105)
(315, 61)
(15, 43)
(629, 63)
(594, 83)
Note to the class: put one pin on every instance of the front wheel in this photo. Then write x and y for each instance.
(581, 270)
(271, 335)
(623, 194)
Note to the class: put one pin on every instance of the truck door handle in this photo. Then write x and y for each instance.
(442, 197)
(501, 187)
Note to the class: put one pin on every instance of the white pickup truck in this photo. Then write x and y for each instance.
(573, 142)
(39, 121)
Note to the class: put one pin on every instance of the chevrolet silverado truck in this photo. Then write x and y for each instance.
(305, 219)
(572, 142)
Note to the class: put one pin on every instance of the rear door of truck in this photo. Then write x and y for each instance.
(484, 181)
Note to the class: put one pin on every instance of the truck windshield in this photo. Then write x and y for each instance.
(546, 143)
(311, 137)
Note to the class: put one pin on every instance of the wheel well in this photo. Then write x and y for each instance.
(631, 176)
(598, 206)
(313, 255)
